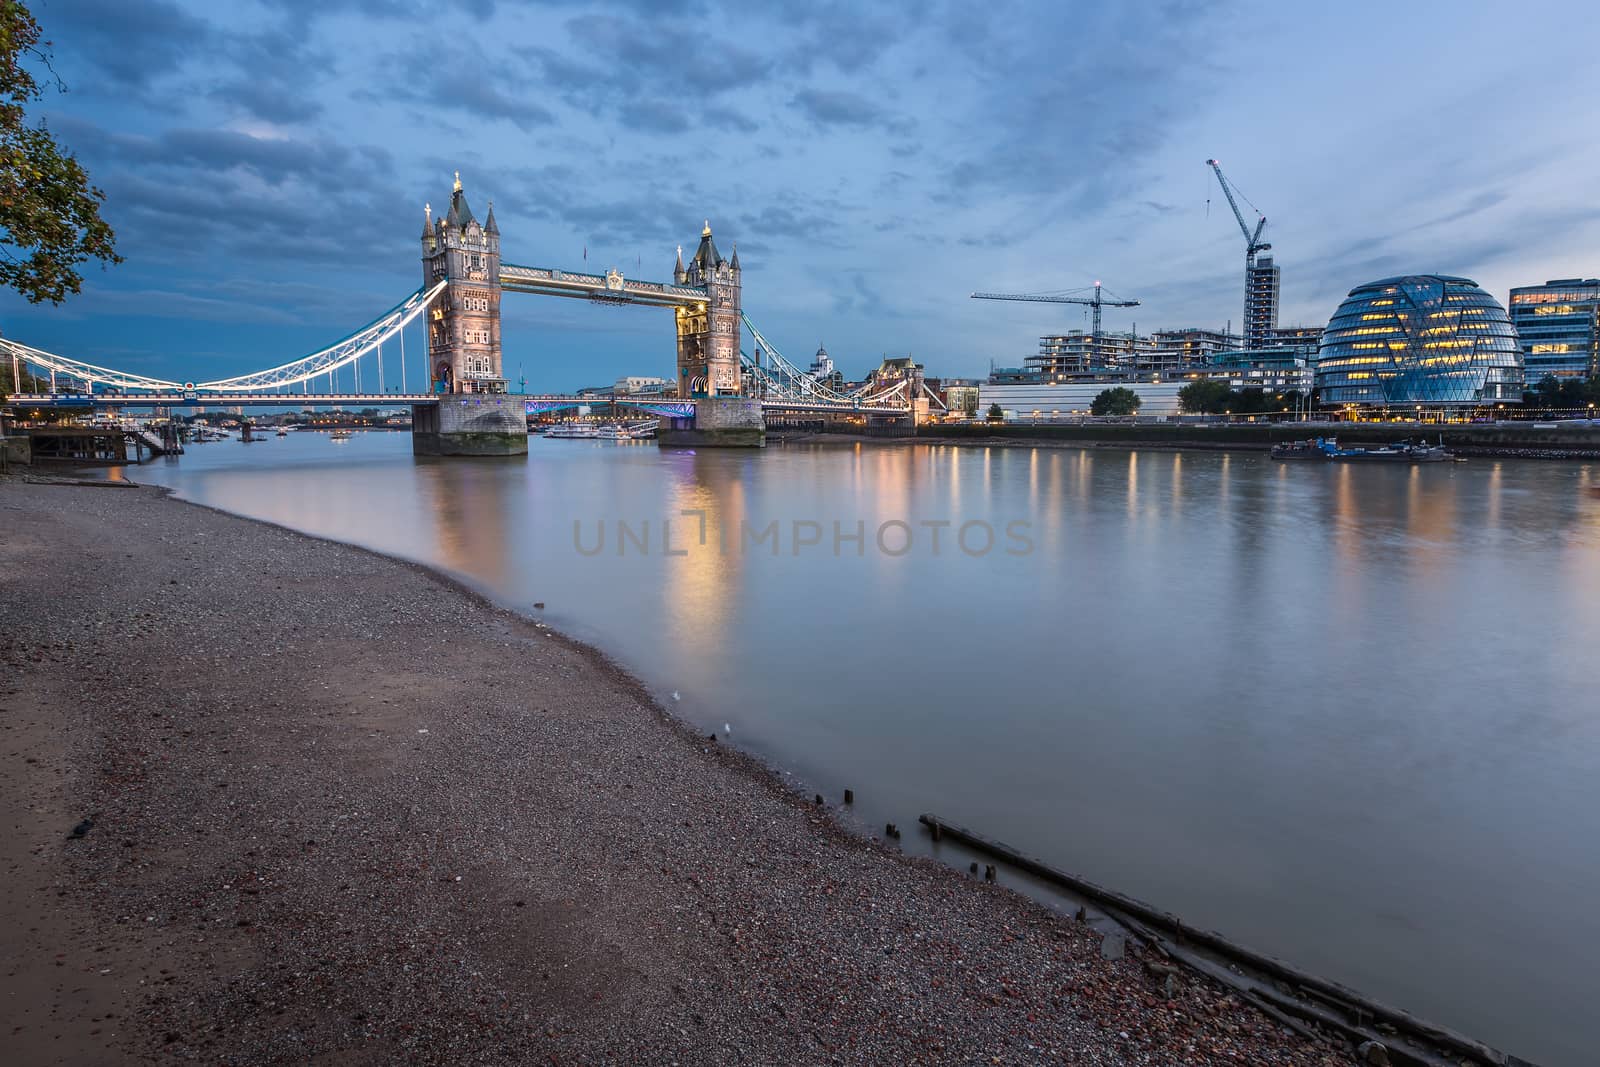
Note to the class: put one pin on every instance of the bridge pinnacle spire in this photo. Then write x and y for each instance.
(457, 189)
(707, 231)
(734, 262)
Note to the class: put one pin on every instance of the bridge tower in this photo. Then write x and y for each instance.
(708, 358)
(708, 336)
(473, 415)
(464, 321)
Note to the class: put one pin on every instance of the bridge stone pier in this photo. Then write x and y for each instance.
(474, 415)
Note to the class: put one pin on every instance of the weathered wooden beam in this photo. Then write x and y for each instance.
(1167, 922)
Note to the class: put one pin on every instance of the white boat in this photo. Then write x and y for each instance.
(572, 430)
(340, 435)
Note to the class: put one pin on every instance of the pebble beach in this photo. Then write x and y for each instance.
(270, 799)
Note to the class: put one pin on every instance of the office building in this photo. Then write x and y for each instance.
(1425, 340)
(1558, 329)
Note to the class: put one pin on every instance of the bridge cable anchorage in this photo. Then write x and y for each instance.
(326, 361)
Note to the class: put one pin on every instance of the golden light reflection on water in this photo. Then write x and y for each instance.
(469, 520)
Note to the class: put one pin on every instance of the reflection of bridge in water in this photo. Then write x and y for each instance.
(458, 365)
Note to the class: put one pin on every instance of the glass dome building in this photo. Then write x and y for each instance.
(1424, 339)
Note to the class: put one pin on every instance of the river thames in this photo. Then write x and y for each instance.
(1343, 715)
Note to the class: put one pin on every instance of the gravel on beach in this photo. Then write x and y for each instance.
(270, 799)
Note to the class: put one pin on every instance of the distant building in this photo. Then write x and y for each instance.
(1303, 339)
(960, 395)
(635, 383)
(1558, 329)
(823, 370)
(1281, 369)
(1424, 339)
(1075, 352)
(1261, 303)
(1171, 351)
(1045, 400)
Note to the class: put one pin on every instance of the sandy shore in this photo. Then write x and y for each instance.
(334, 809)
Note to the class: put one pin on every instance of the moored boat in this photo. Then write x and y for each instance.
(1327, 448)
(567, 430)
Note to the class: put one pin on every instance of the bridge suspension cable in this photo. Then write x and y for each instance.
(784, 380)
(326, 361)
(340, 354)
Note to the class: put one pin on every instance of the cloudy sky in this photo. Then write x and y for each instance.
(265, 163)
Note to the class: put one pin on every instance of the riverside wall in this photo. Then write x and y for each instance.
(1576, 440)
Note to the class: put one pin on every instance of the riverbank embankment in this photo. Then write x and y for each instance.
(272, 799)
(1524, 440)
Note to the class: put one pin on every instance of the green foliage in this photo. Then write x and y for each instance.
(996, 413)
(1207, 396)
(1555, 393)
(49, 213)
(1115, 401)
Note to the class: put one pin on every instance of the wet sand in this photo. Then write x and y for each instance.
(341, 810)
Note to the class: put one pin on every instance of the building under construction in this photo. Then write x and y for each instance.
(1260, 303)
(1261, 277)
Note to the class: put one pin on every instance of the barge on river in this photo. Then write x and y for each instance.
(1326, 449)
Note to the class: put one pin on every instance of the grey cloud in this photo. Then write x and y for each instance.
(266, 102)
(657, 54)
(775, 220)
(847, 36)
(1070, 124)
(1478, 203)
(655, 116)
(472, 83)
(310, 9)
(838, 107)
(273, 160)
(275, 75)
(726, 118)
(130, 42)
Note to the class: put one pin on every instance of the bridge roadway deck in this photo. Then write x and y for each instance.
(23, 401)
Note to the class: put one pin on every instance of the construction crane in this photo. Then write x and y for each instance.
(1097, 301)
(1252, 244)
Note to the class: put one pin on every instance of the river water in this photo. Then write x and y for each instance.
(1344, 715)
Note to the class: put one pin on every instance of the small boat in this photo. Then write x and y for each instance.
(340, 435)
(1327, 448)
(567, 430)
(282, 432)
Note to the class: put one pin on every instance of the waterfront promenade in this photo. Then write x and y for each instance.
(272, 799)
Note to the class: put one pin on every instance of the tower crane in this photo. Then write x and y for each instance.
(1252, 243)
(1097, 301)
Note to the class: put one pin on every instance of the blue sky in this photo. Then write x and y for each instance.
(266, 161)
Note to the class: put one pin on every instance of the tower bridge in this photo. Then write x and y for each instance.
(459, 396)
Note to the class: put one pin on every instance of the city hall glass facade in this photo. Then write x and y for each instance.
(1425, 339)
(1558, 325)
